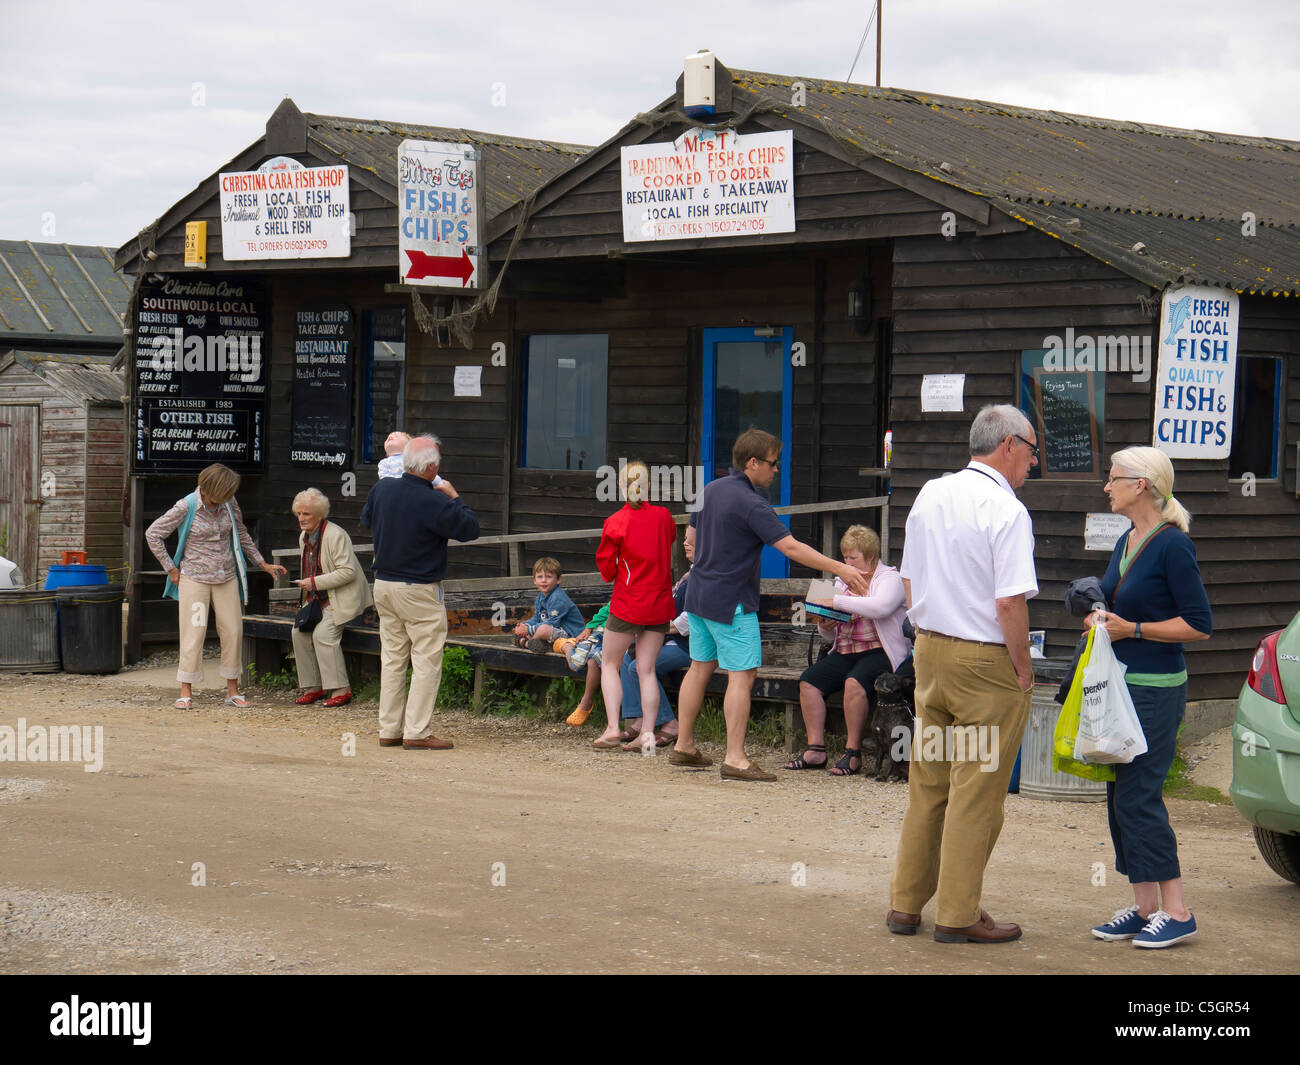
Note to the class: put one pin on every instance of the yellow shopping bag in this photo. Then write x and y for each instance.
(1067, 728)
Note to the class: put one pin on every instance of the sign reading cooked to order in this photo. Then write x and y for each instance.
(709, 183)
(438, 212)
(284, 210)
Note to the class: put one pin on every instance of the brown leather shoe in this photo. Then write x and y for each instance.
(429, 743)
(902, 924)
(754, 772)
(390, 741)
(985, 930)
(676, 757)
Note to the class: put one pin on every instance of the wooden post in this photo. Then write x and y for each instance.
(828, 536)
(134, 559)
(789, 728)
(476, 700)
(516, 559)
(884, 534)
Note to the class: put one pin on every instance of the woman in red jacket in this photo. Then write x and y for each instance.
(635, 553)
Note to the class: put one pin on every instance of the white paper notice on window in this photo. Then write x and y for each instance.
(1100, 531)
(469, 380)
(942, 391)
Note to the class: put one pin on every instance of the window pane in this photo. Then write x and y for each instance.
(564, 401)
(1255, 417)
(748, 395)
(385, 391)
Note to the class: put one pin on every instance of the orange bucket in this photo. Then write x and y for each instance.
(74, 558)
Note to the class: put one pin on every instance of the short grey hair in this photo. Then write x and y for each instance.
(995, 423)
(313, 499)
(421, 453)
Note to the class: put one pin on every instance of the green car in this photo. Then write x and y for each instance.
(1266, 750)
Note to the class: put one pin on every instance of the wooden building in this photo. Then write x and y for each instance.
(62, 405)
(931, 236)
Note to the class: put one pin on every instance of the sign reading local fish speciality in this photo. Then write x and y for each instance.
(709, 183)
(438, 212)
(1197, 378)
(284, 210)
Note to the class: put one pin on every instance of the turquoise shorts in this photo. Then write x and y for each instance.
(735, 647)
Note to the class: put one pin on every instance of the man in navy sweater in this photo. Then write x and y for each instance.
(412, 521)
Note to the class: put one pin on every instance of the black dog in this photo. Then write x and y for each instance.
(892, 722)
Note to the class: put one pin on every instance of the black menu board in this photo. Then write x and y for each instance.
(200, 373)
(322, 387)
(386, 377)
(1067, 424)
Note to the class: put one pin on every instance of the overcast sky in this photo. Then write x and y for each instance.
(110, 113)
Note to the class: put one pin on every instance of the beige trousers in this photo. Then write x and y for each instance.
(195, 601)
(319, 656)
(412, 627)
(954, 807)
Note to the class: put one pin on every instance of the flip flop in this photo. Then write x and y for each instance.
(238, 701)
(608, 745)
(185, 702)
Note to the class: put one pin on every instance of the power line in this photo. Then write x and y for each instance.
(862, 42)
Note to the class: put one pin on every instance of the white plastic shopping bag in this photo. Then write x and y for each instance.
(1109, 730)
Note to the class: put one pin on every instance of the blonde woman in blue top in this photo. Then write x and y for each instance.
(1156, 603)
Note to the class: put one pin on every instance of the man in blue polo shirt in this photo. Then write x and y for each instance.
(412, 521)
(732, 525)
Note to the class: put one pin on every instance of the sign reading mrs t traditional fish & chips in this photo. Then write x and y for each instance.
(439, 208)
(284, 210)
(708, 183)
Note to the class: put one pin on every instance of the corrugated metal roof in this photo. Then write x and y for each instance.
(60, 293)
(1182, 193)
(84, 378)
(512, 166)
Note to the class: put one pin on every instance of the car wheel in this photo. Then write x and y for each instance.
(1281, 852)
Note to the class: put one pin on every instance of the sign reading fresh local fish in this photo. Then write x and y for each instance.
(1197, 378)
(284, 210)
(709, 183)
(200, 373)
(438, 212)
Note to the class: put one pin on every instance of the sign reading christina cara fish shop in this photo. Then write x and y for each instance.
(708, 183)
(439, 208)
(1197, 377)
(284, 210)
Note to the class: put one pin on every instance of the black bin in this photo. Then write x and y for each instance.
(90, 627)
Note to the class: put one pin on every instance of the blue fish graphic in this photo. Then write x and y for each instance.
(1177, 316)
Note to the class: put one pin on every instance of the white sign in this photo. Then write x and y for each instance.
(1100, 531)
(468, 381)
(942, 391)
(709, 183)
(284, 210)
(438, 215)
(1197, 380)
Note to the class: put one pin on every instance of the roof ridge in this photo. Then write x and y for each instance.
(377, 125)
(938, 100)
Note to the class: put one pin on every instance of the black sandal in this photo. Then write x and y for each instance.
(799, 762)
(844, 767)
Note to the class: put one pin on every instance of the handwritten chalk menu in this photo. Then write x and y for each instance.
(322, 387)
(198, 385)
(385, 377)
(1067, 424)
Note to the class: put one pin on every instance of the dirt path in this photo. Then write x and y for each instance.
(384, 861)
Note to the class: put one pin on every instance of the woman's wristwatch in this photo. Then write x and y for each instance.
(1137, 630)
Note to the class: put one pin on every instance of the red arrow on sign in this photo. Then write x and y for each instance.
(423, 265)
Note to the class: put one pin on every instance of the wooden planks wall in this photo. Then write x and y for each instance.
(971, 306)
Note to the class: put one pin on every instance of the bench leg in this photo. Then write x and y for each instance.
(476, 700)
(789, 728)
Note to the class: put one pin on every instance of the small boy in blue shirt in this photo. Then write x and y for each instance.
(554, 613)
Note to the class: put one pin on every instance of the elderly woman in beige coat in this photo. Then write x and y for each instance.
(331, 573)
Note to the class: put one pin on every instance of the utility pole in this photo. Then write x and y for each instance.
(880, 14)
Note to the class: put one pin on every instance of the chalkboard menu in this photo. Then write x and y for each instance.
(199, 381)
(322, 387)
(1067, 424)
(385, 377)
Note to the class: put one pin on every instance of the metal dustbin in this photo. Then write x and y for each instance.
(90, 627)
(1038, 780)
(29, 640)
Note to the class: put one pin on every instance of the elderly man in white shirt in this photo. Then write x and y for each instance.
(968, 569)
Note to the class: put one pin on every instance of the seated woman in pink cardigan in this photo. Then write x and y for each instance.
(870, 643)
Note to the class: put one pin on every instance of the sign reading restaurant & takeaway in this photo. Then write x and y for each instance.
(284, 210)
(708, 183)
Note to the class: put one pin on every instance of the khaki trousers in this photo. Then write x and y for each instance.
(954, 807)
(195, 601)
(412, 627)
(318, 655)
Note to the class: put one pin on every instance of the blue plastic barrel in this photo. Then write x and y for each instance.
(73, 574)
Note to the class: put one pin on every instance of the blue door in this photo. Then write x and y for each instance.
(748, 384)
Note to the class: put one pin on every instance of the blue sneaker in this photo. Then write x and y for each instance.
(1124, 925)
(1163, 931)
